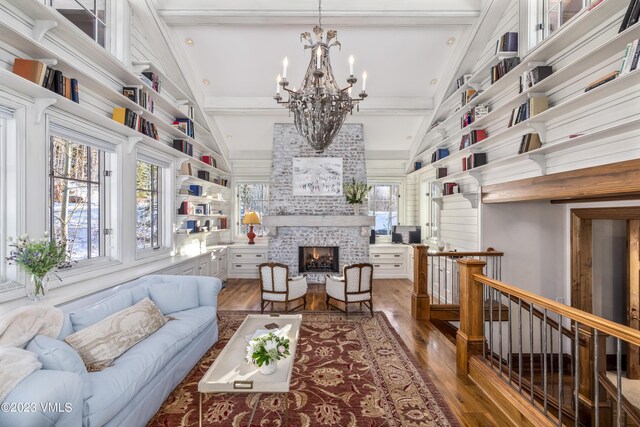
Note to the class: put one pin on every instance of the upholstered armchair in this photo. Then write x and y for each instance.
(354, 286)
(277, 286)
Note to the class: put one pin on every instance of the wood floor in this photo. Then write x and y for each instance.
(432, 349)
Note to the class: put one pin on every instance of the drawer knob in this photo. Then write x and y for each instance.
(396, 265)
(377, 256)
(376, 265)
(397, 255)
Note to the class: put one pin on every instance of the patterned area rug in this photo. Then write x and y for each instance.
(348, 372)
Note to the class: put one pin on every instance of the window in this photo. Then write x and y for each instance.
(550, 15)
(383, 205)
(76, 197)
(251, 198)
(88, 15)
(3, 203)
(148, 210)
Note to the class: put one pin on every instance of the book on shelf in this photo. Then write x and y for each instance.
(185, 125)
(531, 107)
(30, 69)
(184, 208)
(183, 146)
(474, 160)
(204, 175)
(531, 78)
(195, 189)
(449, 188)
(468, 95)
(187, 110)
(508, 42)
(441, 173)
(132, 120)
(529, 142)
(630, 58)
(472, 137)
(42, 75)
(210, 160)
(602, 80)
(140, 96)
(440, 153)
(632, 15)
(186, 169)
(461, 81)
(151, 79)
(502, 68)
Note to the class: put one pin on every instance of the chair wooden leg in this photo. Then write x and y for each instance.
(304, 307)
(328, 306)
(261, 307)
(371, 306)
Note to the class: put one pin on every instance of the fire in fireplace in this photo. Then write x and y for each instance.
(322, 259)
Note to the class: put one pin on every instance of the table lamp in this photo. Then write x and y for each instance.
(251, 219)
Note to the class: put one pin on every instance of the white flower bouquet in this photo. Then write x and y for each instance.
(267, 349)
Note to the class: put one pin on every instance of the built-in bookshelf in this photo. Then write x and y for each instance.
(105, 78)
(442, 137)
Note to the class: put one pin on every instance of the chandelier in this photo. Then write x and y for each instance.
(320, 106)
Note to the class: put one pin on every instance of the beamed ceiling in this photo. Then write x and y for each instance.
(238, 47)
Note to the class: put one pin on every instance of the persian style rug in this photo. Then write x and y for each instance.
(347, 372)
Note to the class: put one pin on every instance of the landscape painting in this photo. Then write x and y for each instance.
(317, 176)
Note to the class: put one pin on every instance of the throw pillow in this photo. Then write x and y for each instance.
(88, 316)
(100, 344)
(172, 297)
(57, 355)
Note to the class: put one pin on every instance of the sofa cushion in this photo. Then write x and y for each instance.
(57, 355)
(116, 385)
(88, 316)
(100, 344)
(176, 296)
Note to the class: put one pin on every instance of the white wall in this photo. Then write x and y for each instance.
(533, 236)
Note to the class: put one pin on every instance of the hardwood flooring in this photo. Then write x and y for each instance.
(431, 348)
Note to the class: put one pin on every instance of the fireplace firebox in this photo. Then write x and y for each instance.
(319, 259)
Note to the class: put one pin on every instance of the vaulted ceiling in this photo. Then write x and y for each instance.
(410, 50)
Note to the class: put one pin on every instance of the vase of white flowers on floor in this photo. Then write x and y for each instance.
(38, 258)
(265, 351)
(355, 193)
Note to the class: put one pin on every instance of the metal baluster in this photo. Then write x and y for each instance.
(510, 346)
(491, 325)
(595, 376)
(550, 340)
(484, 323)
(520, 345)
(531, 347)
(576, 367)
(446, 294)
(500, 331)
(431, 265)
(440, 281)
(560, 379)
(619, 378)
(544, 360)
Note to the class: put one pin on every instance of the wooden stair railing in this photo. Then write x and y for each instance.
(423, 304)
(590, 335)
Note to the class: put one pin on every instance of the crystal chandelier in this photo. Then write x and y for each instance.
(320, 106)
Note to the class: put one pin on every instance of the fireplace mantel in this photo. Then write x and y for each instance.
(318, 221)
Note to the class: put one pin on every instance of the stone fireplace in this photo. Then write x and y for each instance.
(318, 259)
(321, 221)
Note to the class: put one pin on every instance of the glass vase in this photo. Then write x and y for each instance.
(268, 369)
(356, 208)
(38, 287)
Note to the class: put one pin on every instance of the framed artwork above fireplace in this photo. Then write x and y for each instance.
(317, 176)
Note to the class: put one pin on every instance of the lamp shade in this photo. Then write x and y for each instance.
(251, 218)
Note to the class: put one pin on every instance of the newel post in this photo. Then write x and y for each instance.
(470, 337)
(420, 303)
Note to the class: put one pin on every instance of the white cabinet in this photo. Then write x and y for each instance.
(390, 261)
(244, 260)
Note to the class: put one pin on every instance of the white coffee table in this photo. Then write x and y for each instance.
(230, 372)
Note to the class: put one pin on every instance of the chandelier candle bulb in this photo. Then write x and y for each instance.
(351, 65)
(278, 83)
(285, 64)
(364, 81)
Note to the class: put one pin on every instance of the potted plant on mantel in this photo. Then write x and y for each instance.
(355, 193)
(38, 257)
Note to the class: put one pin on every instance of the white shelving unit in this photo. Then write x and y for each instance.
(105, 76)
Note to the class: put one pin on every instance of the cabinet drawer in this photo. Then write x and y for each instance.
(244, 266)
(248, 257)
(387, 257)
(388, 267)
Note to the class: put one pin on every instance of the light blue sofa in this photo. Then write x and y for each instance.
(129, 392)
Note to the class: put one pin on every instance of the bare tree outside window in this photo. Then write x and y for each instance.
(252, 198)
(147, 205)
(75, 197)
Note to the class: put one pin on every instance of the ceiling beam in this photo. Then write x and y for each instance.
(394, 106)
